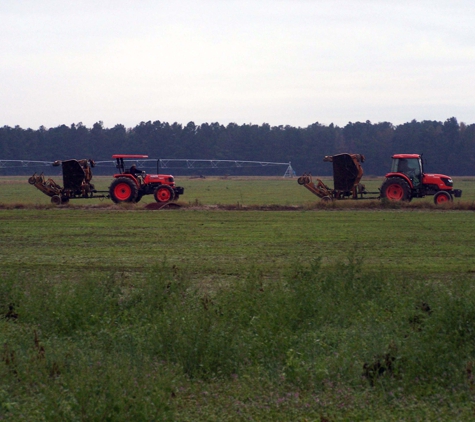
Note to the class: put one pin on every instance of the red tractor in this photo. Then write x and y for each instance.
(407, 180)
(130, 185)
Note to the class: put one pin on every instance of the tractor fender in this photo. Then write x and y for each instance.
(402, 176)
(129, 176)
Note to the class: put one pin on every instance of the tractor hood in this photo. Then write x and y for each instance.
(441, 180)
(436, 175)
(159, 178)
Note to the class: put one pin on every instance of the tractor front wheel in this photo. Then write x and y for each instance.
(396, 189)
(123, 189)
(164, 193)
(442, 197)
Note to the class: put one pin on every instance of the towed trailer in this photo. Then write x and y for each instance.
(77, 176)
(347, 174)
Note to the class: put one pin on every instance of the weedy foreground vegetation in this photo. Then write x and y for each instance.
(128, 314)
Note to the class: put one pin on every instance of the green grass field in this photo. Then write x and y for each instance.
(122, 313)
(246, 191)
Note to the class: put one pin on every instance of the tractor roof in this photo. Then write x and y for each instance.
(406, 156)
(129, 156)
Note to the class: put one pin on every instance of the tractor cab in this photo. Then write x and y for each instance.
(409, 165)
(129, 169)
(120, 163)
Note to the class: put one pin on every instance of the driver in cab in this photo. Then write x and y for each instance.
(136, 172)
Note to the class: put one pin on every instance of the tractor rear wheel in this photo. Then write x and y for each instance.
(396, 189)
(164, 193)
(123, 189)
(442, 197)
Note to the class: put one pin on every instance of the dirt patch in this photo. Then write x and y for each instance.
(167, 206)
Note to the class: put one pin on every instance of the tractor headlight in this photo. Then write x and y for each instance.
(447, 181)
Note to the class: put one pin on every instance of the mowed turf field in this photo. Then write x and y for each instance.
(245, 191)
(336, 313)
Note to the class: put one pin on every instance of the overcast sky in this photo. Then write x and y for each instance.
(280, 62)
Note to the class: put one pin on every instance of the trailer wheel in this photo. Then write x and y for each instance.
(56, 200)
(32, 180)
(164, 193)
(396, 189)
(123, 189)
(442, 197)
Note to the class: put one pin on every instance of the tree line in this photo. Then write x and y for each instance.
(447, 147)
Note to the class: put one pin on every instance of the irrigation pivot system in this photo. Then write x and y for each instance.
(174, 163)
(163, 163)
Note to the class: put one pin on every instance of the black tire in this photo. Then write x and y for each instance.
(32, 180)
(139, 197)
(327, 199)
(396, 189)
(442, 197)
(163, 194)
(123, 189)
(56, 200)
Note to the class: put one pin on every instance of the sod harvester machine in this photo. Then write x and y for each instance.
(405, 181)
(126, 187)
